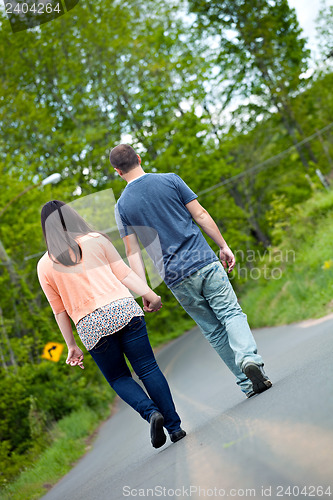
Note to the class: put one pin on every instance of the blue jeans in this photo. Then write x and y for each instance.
(132, 341)
(208, 297)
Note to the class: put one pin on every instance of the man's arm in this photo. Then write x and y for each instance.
(132, 247)
(208, 225)
(133, 253)
(133, 278)
(151, 300)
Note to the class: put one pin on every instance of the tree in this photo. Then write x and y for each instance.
(325, 32)
(74, 86)
(71, 89)
(261, 57)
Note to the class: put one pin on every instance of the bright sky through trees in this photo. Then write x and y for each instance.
(307, 11)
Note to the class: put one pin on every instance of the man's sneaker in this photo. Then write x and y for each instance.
(250, 394)
(177, 435)
(259, 379)
(157, 435)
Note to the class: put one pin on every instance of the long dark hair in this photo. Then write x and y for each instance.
(61, 226)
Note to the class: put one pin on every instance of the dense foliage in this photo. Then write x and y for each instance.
(217, 92)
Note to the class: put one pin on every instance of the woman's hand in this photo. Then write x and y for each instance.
(75, 357)
(151, 302)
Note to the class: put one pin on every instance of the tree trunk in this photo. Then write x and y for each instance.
(7, 341)
(14, 278)
(288, 119)
(294, 123)
(258, 233)
(2, 358)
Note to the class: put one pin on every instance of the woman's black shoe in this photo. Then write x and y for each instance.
(157, 435)
(176, 436)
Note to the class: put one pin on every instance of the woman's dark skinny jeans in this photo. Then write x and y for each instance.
(132, 341)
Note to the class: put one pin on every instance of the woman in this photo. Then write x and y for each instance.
(84, 278)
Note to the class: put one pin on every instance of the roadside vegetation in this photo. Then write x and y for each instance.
(68, 440)
(299, 270)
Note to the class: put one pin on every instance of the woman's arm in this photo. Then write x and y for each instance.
(140, 287)
(75, 355)
(131, 280)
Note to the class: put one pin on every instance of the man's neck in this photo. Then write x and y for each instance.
(134, 174)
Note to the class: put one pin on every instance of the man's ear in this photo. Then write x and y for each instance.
(119, 171)
(139, 158)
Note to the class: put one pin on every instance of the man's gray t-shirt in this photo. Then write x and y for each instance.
(154, 204)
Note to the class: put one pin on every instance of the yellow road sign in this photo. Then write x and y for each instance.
(52, 351)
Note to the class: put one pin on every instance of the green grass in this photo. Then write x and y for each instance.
(70, 442)
(305, 289)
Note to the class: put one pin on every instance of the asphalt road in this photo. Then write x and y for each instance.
(278, 444)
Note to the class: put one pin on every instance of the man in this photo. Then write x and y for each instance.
(186, 262)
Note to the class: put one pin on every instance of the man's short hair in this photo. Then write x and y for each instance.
(124, 157)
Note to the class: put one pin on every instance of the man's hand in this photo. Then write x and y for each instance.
(152, 305)
(75, 357)
(227, 258)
